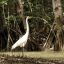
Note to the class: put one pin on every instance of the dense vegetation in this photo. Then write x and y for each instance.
(12, 23)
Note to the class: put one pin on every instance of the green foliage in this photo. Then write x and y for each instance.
(62, 5)
(3, 2)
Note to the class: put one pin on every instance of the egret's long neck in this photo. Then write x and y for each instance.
(27, 26)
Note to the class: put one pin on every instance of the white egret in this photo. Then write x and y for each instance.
(23, 40)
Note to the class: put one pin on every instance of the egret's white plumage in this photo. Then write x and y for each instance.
(23, 40)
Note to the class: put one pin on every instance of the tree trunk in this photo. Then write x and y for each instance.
(20, 10)
(58, 27)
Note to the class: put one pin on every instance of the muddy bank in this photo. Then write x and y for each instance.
(25, 60)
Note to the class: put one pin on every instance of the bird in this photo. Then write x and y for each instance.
(22, 40)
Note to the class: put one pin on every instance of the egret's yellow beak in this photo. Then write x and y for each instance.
(29, 17)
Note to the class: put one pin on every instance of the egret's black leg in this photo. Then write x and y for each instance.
(22, 51)
(12, 52)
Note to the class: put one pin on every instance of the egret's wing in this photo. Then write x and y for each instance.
(21, 42)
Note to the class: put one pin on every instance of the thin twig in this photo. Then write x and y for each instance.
(29, 5)
(49, 34)
(3, 12)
